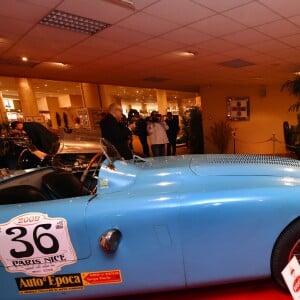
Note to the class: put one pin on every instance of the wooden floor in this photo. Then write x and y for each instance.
(260, 290)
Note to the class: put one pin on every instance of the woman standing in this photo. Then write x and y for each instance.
(156, 129)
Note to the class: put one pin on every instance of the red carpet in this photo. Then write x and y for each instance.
(261, 290)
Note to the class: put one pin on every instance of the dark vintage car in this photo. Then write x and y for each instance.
(77, 147)
(147, 225)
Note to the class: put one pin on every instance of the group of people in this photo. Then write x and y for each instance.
(162, 133)
(161, 130)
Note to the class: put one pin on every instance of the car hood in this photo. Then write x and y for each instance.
(165, 174)
(225, 164)
(244, 165)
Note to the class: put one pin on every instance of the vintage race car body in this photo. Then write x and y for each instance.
(154, 224)
(76, 147)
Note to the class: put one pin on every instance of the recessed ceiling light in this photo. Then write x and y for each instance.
(3, 40)
(24, 58)
(187, 53)
(19, 61)
(60, 64)
(64, 20)
(56, 64)
(127, 3)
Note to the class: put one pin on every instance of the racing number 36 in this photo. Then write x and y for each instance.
(37, 238)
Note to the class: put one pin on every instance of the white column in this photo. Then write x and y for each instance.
(27, 97)
(162, 103)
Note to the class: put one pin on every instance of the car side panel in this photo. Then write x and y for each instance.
(220, 230)
(149, 256)
(72, 210)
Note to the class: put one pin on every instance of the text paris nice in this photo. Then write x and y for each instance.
(38, 261)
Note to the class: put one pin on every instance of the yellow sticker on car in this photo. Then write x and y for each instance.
(66, 282)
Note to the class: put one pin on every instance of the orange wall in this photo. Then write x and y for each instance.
(267, 113)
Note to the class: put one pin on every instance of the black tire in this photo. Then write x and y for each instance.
(286, 246)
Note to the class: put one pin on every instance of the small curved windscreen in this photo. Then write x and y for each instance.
(109, 150)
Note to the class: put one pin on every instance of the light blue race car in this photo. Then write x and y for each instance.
(147, 225)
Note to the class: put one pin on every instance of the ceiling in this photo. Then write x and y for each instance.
(239, 42)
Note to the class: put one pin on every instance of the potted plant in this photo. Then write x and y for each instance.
(220, 135)
(293, 88)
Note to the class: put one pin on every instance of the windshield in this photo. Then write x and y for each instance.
(109, 150)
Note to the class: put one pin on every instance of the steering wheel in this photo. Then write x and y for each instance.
(96, 158)
(27, 160)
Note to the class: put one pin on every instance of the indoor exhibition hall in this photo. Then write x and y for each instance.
(149, 149)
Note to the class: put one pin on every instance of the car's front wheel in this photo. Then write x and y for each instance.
(286, 246)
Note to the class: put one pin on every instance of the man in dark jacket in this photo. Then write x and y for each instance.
(141, 132)
(42, 138)
(172, 133)
(115, 131)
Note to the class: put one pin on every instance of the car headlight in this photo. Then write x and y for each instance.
(110, 240)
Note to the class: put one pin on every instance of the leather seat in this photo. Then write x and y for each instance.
(63, 185)
(21, 194)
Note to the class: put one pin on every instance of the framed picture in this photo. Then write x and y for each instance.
(238, 108)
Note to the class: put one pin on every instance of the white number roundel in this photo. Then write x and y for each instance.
(35, 244)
